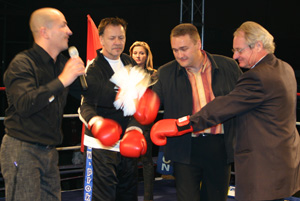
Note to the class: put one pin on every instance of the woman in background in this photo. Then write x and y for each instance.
(141, 53)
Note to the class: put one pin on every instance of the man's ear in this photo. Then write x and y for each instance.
(101, 39)
(259, 45)
(44, 32)
(199, 44)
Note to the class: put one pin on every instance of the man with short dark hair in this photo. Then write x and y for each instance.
(109, 174)
(202, 160)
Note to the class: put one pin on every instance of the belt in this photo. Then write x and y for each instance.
(44, 146)
(205, 134)
(34, 143)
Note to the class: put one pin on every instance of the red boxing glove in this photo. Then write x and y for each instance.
(169, 128)
(147, 107)
(107, 131)
(133, 144)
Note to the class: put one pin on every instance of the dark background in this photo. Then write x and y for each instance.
(150, 21)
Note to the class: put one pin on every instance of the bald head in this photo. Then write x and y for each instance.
(50, 30)
(43, 17)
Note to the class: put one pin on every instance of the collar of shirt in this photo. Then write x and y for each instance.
(258, 62)
(205, 62)
(203, 65)
(46, 58)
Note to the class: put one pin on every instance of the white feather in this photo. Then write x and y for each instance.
(133, 82)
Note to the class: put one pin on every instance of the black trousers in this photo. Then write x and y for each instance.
(278, 200)
(115, 178)
(274, 200)
(207, 177)
(148, 169)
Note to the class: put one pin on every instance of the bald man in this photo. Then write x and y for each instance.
(36, 84)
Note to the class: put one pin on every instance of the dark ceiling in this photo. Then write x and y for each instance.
(152, 20)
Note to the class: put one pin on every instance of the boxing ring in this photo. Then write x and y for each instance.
(72, 173)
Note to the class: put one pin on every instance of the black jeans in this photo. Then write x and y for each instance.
(148, 169)
(207, 177)
(30, 171)
(115, 177)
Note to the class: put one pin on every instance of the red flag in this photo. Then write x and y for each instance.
(92, 44)
(93, 41)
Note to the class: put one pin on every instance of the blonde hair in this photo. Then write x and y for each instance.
(254, 32)
(149, 61)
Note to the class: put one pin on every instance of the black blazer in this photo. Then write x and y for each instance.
(175, 92)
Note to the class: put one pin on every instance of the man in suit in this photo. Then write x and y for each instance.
(267, 152)
(201, 161)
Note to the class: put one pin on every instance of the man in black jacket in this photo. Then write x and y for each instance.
(109, 175)
(201, 160)
(36, 84)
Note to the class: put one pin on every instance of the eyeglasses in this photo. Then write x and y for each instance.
(238, 50)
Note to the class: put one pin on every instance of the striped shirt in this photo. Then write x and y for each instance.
(202, 92)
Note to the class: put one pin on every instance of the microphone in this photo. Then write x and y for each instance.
(73, 52)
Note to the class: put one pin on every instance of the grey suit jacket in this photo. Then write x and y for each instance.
(267, 151)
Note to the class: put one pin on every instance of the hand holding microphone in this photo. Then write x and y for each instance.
(73, 52)
(72, 69)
